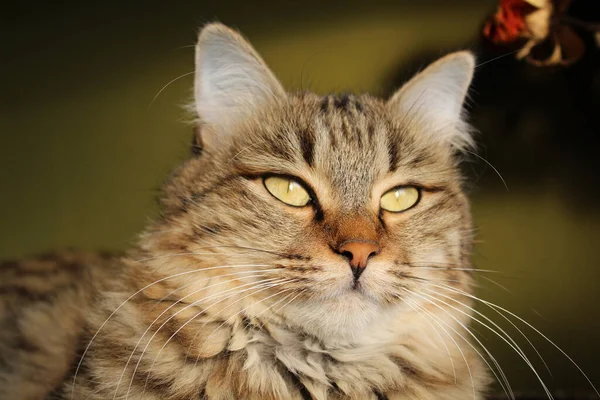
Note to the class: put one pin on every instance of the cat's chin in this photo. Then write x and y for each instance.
(360, 289)
(343, 318)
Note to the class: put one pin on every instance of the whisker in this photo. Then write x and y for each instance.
(436, 319)
(142, 260)
(173, 305)
(235, 292)
(238, 313)
(500, 370)
(412, 265)
(195, 335)
(421, 313)
(511, 342)
(255, 285)
(492, 305)
(273, 305)
(220, 311)
(496, 58)
(497, 284)
(135, 294)
(249, 147)
(490, 164)
(499, 313)
(278, 309)
(168, 295)
(503, 316)
(165, 86)
(419, 278)
(212, 253)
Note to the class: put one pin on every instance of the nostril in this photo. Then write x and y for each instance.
(358, 252)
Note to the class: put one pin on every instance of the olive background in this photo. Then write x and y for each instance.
(91, 123)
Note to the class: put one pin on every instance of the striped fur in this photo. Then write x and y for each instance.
(239, 296)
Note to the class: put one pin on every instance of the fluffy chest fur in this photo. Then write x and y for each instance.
(244, 350)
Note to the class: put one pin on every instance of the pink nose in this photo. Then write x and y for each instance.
(358, 253)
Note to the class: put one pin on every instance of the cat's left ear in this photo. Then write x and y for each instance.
(232, 83)
(434, 99)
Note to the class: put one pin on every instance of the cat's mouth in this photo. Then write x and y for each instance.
(361, 288)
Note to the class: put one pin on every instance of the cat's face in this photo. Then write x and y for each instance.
(344, 204)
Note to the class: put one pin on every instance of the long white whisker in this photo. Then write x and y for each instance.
(203, 325)
(490, 164)
(256, 316)
(190, 253)
(165, 86)
(195, 253)
(239, 313)
(135, 294)
(255, 285)
(450, 268)
(497, 284)
(273, 305)
(492, 305)
(497, 58)
(436, 319)
(235, 291)
(275, 311)
(500, 370)
(421, 313)
(508, 341)
(503, 316)
(177, 302)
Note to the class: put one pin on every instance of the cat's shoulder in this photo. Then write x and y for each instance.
(43, 303)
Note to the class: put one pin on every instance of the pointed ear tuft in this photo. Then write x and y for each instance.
(231, 80)
(434, 99)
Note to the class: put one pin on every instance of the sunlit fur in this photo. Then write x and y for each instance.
(245, 297)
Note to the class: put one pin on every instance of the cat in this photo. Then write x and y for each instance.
(311, 247)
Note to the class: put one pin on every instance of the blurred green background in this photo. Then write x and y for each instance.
(85, 143)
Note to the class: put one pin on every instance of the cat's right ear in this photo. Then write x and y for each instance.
(231, 83)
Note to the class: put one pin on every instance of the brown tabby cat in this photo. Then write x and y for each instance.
(311, 248)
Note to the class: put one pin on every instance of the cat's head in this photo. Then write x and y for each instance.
(330, 210)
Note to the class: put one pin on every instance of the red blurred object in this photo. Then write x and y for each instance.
(508, 23)
(546, 30)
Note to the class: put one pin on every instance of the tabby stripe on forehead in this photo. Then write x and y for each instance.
(359, 134)
(351, 131)
(345, 128)
(395, 141)
(358, 106)
(341, 103)
(306, 137)
(393, 153)
(325, 104)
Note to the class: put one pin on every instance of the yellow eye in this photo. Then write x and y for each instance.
(287, 190)
(400, 199)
